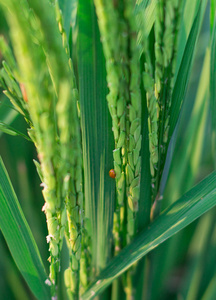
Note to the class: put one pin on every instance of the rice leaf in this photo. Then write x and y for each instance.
(213, 88)
(188, 208)
(97, 136)
(186, 160)
(145, 11)
(12, 131)
(20, 239)
(7, 113)
(184, 72)
(188, 15)
(67, 7)
(145, 180)
(183, 172)
(212, 14)
(211, 290)
(202, 249)
(143, 214)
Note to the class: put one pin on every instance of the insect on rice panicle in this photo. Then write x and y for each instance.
(112, 173)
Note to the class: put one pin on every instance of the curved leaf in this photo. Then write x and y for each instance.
(20, 239)
(184, 71)
(12, 131)
(189, 207)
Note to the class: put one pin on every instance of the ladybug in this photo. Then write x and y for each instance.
(112, 173)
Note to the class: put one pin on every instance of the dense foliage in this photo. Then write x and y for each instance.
(114, 102)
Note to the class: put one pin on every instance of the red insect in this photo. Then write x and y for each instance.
(112, 173)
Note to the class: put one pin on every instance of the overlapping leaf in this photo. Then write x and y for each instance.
(189, 207)
(20, 239)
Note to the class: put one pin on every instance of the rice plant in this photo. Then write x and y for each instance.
(105, 99)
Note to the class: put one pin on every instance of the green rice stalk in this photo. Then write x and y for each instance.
(159, 68)
(133, 134)
(158, 86)
(72, 170)
(69, 136)
(133, 167)
(7, 54)
(59, 19)
(124, 103)
(86, 258)
(84, 273)
(166, 33)
(12, 90)
(41, 109)
(124, 100)
(26, 35)
(71, 152)
(152, 104)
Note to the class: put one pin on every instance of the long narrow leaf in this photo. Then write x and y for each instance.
(145, 9)
(145, 12)
(189, 207)
(211, 290)
(19, 238)
(184, 72)
(98, 141)
(7, 114)
(212, 14)
(66, 7)
(189, 13)
(213, 87)
(12, 131)
(183, 172)
(200, 269)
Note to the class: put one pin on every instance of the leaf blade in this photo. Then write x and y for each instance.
(12, 131)
(213, 87)
(67, 7)
(97, 136)
(184, 70)
(189, 207)
(19, 238)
